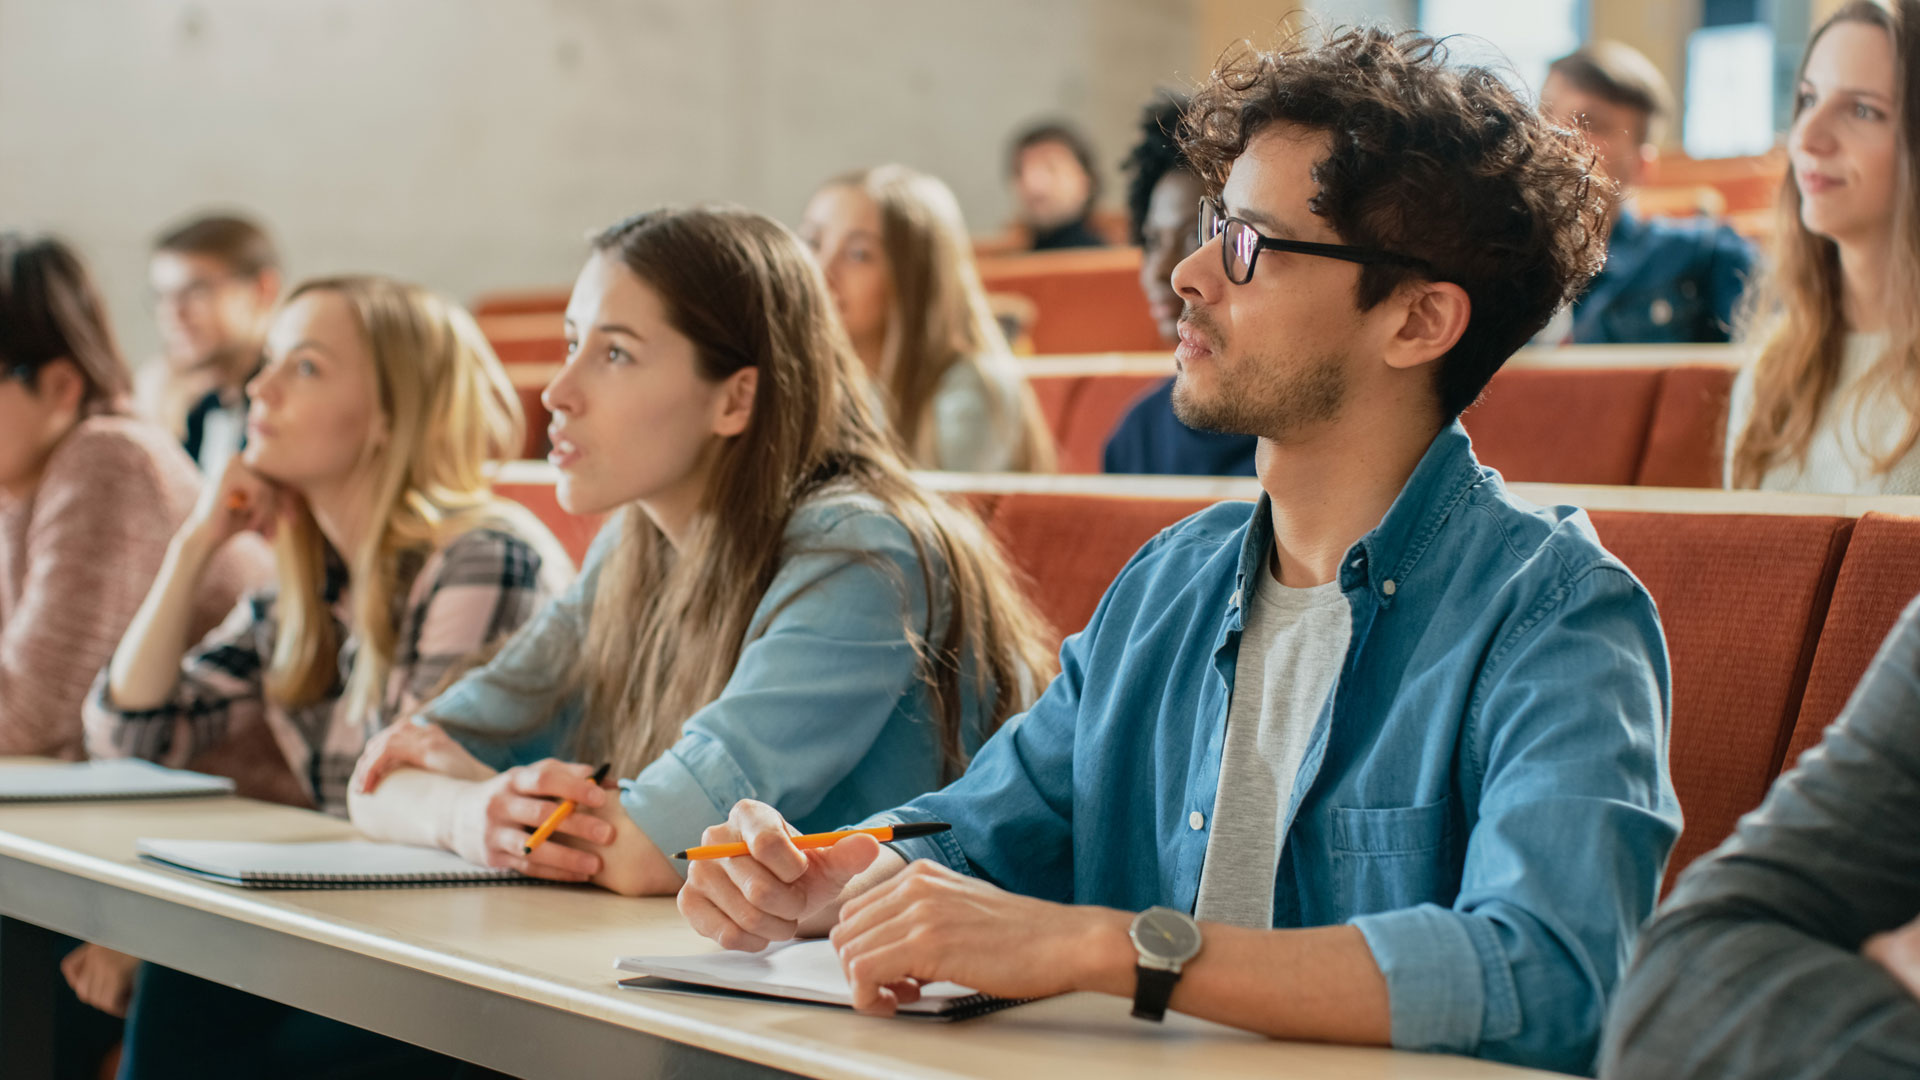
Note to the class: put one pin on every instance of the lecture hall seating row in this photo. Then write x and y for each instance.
(1772, 604)
(1615, 416)
(1576, 416)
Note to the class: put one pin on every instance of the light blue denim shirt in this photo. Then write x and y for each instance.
(1485, 795)
(824, 716)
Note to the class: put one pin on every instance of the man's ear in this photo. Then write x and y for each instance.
(1436, 316)
(736, 402)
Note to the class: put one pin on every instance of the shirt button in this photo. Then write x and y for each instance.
(1197, 820)
(1388, 587)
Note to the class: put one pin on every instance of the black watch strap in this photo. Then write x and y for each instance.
(1152, 988)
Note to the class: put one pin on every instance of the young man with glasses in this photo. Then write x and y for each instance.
(1380, 759)
(214, 281)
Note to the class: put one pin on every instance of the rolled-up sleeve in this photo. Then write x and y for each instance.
(1753, 967)
(1575, 822)
(827, 666)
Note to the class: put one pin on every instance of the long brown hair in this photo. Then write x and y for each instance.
(940, 316)
(668, 625)
(450, 409)
(1796, 313)
(50, 310)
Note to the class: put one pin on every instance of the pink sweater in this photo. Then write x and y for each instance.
(76, 559)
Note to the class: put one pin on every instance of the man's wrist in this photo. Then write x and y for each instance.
(1105, 954)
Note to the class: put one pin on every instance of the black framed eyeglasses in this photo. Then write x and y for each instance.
(1241, 245)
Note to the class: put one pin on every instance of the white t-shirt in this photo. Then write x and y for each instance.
(1291, 652)
(1851, 436)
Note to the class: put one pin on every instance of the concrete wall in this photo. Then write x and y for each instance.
(469, 144)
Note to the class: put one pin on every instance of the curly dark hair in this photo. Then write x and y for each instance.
(1442, 163)
(1154, 156)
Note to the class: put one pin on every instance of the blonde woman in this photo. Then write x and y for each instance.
(898, 260)
(367, 436)
(1833, 402)
(778, 609)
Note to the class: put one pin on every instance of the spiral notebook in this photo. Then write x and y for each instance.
(807, 972)
(347, 864)
(114, 778)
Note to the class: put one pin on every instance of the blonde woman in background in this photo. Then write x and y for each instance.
(776, 610)
(369, 431)
(1833, 402)
(899, 262)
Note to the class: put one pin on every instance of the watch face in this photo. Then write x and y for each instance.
(1166, 934)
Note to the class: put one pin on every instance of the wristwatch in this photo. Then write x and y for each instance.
(1165, 939)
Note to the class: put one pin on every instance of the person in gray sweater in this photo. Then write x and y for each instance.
(1793, 950)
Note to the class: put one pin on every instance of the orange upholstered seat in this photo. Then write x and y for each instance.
(1880, 575)
(1579, 426)
(1084, 301)
(1742, 598)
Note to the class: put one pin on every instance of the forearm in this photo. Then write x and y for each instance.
(146, 666)
(1320, 984)
(411, 806)
(632, 865)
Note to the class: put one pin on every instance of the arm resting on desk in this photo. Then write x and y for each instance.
(487, 821)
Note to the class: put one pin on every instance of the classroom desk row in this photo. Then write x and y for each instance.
(520, 979)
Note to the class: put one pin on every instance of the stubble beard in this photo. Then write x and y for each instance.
(1264, 394)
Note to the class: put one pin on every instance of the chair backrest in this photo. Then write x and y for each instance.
(1084, 300)
(1742, 598)
(1880, 575)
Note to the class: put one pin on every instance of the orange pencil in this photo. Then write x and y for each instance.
(560, 813)
(882, 833)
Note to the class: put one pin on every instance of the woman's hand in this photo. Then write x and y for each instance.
(408, 745)
(239, 501)
(493, 819)
(101, 977)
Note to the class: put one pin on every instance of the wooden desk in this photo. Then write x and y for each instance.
(520, 979)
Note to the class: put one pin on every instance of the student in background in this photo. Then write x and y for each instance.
(1794, 949)
(214, 282)
(1832, 403)
(1665, 279)
(897, 259)
(1163, 201)
(777, 608)
(88, 496)
(1357, 744)
(369, 430)
(1055, 186)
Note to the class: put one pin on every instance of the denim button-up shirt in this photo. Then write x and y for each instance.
(825, 716)
(1485, 794)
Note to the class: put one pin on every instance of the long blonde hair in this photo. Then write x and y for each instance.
(940, 316)
(668, 625)
(1796, 312)
(449, 410)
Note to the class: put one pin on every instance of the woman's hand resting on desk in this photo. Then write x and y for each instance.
(489, 822)
(101, 977)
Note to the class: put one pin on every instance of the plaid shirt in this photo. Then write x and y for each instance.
(462, 598)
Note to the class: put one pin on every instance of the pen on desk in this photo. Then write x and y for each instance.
(560, 813)
(882, 833)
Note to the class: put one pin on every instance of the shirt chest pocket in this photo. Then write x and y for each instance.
(1384, 859)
